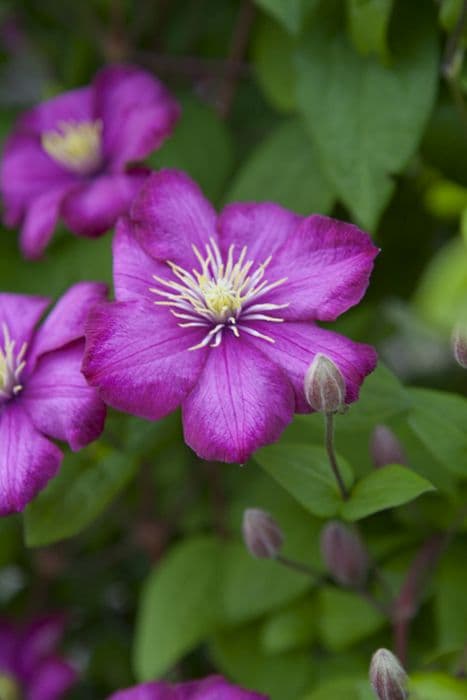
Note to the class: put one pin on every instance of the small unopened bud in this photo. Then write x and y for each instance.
(344, 554)
(385, 448)
(324, 385)
(459, 344)
(387, 677)
(262, 535)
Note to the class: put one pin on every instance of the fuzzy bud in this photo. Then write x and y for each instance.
(385, 448)
(387, 677)
(262, 535)
(324, 385)
(459, 344)
(344, 554)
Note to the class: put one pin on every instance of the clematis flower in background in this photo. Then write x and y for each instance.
(212, 688)
(218, 314)
(74, 156)
(42, 391)
(29, 665)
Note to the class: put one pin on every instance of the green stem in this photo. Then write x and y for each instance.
(329, 442)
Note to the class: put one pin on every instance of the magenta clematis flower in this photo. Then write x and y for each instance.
(212, 688)
(30, 668)
(218, 314)
(73, 156)
(42, 391)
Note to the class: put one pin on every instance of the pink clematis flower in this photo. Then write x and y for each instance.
(218, 314)
(42, 391)
(73, 156)
(29, 665)
(212, 688)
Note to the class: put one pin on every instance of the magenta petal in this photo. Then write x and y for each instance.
(60, 402)
(139, 358)
(27, 459)
(8, 636)
(20, 313)
(327, 264)
(137, 111)
(263, 227)
(94, 207)
(52, 679)
(295, 346)
(242, 401)
(215, 688)
(66, 322)
(37, 641)
(40, 221)
(147, 691)
(170, 215)
(74, 105)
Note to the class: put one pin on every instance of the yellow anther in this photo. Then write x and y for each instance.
(75, 145)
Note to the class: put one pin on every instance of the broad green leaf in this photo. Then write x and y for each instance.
(368, 22)
(239, 656)
(451, 599)
(179, 606)
(273, 63)
(201, 145)
(438, 686)
(247, 591)
(289, 12)
(366, 119)
(345, 618)
(384, 488)
(294, 627)
(348, 688)
(284, 169)
(87, 483)
(439, 419)
(304, 472)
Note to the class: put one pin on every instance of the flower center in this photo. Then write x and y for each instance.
(11, 366)
(9, 688)
(75, 145)
(221, 295)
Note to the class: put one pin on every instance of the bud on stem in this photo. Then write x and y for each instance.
(344, 554)
(324, 385)
(385, 448)
(459, 344)
(262, 535)
(387, 677)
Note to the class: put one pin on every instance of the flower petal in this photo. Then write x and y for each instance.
(27, 459)
(74, 105)
(327, 264)
(242, 401)
(140, 360)
(213, 688)
(20, 313)
(37, 641)
(8, 637)
(40, 221)
(60, 402)
(66, 322)
(137, 112)
(263, 227)
(94, 207)
(147, 691)
(51, 680)
(295, 346)
(170, 215)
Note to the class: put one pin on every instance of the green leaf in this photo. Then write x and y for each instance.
(439, 419)
(292, 628)
(368, 22)
(201, 145)
(284, 169)
(289, 12)
(179, 606)
(451, 600)
(247, 590)
(366, 119)
(304, 472)
(437, 686)
(87, 483)
(273, 62)
(348, 688)
(384, 488)
(346, 618)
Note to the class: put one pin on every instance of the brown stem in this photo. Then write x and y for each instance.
(329, 442)
(238, 47)
(299, 566)
(190, 66)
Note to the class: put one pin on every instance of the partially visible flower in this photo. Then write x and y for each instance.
(30, 668)
(387, 677)
(385, 448)
(344, 554)
(74, 156)
(212, 688)
(262, 535)
(42, 391)
(218, 314)
(459, 344)
(324, 385)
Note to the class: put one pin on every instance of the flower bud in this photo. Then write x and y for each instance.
(262, 535)
(324, 385)
(344, 554)
(387, 677)
(385, 448)
(459, 344)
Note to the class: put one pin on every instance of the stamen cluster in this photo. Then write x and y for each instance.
(75, 145)
(11, 366)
